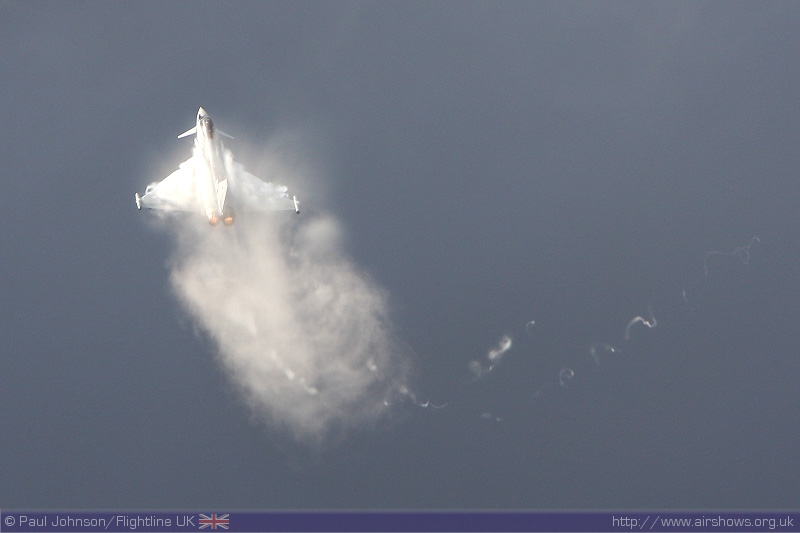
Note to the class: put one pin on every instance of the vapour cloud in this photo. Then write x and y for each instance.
(300, 330)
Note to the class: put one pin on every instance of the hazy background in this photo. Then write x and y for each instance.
(491, 164)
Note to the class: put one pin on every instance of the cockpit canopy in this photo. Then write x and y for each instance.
(208, 126)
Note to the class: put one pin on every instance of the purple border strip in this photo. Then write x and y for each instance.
(399, 521)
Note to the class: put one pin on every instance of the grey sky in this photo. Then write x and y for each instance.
(491, 164)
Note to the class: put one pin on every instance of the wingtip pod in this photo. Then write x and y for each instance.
(138, 202)
(296, 205)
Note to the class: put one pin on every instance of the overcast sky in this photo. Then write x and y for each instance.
(572, 164)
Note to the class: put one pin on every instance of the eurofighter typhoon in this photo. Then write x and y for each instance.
(212, 183)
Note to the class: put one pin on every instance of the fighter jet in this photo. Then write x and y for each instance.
(212, 183)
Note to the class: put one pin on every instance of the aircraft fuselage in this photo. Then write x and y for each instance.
(214, 186)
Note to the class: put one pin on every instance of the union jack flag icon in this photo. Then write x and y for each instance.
(213, 521)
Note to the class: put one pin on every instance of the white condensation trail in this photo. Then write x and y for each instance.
(600, 347)
(300, 330)
(494, 357)
(565, 375)
(495, 354)
(651, 323)
(740, 252)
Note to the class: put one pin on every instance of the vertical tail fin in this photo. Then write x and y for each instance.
(222, 191)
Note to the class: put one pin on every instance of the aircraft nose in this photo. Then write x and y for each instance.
(201, 112)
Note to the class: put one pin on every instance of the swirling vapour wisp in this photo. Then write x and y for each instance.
(493, 358)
